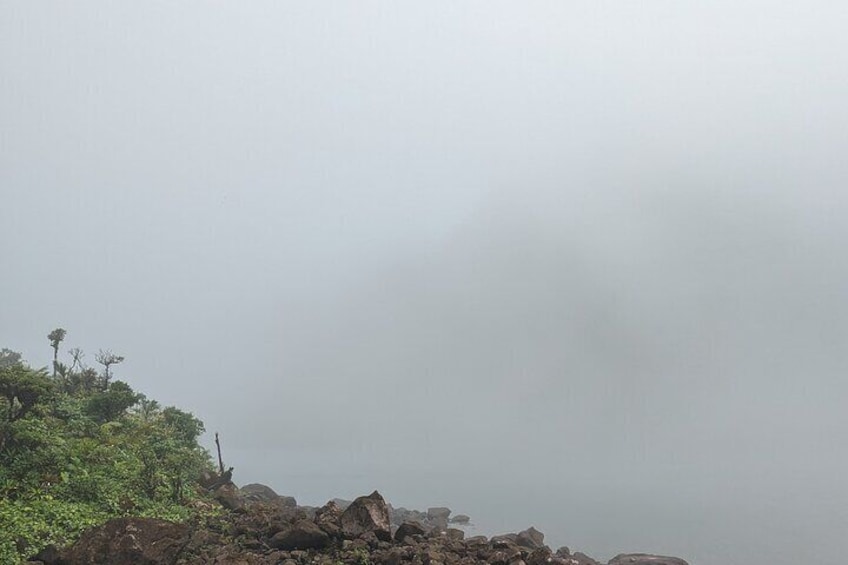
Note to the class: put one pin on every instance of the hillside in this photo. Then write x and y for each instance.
(78, 447)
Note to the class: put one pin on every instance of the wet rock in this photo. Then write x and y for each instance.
(460, 519)
(645, 559)
(302, 535)
(367, 514)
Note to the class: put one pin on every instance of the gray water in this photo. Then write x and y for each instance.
(602, 513)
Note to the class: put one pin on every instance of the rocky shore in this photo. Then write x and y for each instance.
(258, 527)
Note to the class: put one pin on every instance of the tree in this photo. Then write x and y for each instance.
(111, 403)
(76, 357)
(22, 388)
(56, 337)
(107, 359)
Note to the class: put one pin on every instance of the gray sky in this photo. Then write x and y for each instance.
(574, 264)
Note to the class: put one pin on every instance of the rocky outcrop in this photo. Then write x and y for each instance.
(645, 559)
(262, 532)
(367, 514)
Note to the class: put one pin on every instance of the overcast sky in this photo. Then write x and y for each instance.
(561, 254)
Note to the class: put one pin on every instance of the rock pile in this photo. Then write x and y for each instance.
(259, 529)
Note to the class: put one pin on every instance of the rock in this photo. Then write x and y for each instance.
(48, 556)
(256, 492)
(498, 558)
(460, 519)
(455, 534)
(438, 516)
(409, 529)
(228, 496)
(438, 512)
(583, 559)
(328, 518)
(540, 556)
(645, 559)
(504, 541)
(531, 538)
(341, 503)
(367, 514)
(129, 541)
(303, 534)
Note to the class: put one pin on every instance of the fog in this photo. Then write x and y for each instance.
(573, 265)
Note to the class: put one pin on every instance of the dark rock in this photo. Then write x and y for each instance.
(409, 529)
(645, 559)
(367, 514)
(49, 555)
(531, 538)
(563, 552)
(128, 541)
(302, 535)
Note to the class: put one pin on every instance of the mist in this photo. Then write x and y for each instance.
(577, 266)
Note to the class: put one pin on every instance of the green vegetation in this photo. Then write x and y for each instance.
(78, 448)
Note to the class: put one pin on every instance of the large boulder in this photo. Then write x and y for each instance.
(128, 541)
(531, 538)
(303, 534)
(645, 559)
(367, 514)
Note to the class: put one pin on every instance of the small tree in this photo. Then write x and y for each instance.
(56, 337)
(107, 359)
(76, 359)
